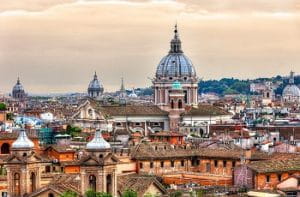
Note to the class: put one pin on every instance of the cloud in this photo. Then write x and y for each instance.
(55, 46)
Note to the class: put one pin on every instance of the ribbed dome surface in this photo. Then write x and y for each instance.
(95, 85)
(18, 87)
(291, 90)
(175, 64)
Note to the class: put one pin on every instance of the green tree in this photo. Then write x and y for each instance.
(73, 130)
(129, 193)
(92, 193)
(69, 193)
(9, 116)
(2, 107)
(176, 194)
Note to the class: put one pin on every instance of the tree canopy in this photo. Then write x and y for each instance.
(69, 194)
(129, 193)
(2, 107)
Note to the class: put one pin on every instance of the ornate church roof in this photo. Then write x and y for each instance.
(95, 85)
(22, 142)
(98, 142)
(291, 89)
(18, 87)
(175, 64)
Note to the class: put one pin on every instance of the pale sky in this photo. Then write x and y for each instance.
(56, 45)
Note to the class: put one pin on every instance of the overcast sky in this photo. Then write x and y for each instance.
(56, 45)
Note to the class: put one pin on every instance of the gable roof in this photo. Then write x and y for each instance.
(275, 165)
(60, 184)
(206, 110)
(146, 151)
(138, 183)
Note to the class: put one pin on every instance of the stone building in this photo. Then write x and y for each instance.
(184, 164)
(98, 167)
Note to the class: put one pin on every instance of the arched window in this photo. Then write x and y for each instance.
(5, 148)
(50, 195)
(32, 182)
(16, 185)
(108, 184)
(172, 104)
(180, 104)
(92, 182)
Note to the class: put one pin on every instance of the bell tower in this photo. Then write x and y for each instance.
(24, 167)
(176, 105)
(98, 167)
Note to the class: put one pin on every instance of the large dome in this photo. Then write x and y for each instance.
(291, 90)
(175, 64)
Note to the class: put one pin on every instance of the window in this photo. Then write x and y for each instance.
(137, 124)
(224, 164)
(156, 124)
(32, 182)
(172, 163)
(182, 163)
(47, 169)
(50, 195)
(180, 104)
(141, 165)
(216, 163)
(118, 124)
(5, 148)
(268, 178)
(100, 156)
(279, 177)
(207, 167)
(92, 182)
(162, 164)
(151, 164)
(172, 104)
(233, 164)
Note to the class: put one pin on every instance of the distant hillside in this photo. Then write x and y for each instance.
(232, 86)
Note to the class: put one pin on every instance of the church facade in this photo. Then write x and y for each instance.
(175, 67)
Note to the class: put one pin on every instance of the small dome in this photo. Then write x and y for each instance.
(175, 64)
(22, 142)
(98, 143)
(18, 90)
(95, 85)
(133, 94)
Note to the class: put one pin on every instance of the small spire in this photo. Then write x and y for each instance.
(18, 80)
(291, 79)
(95, 75)
(122, 85)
